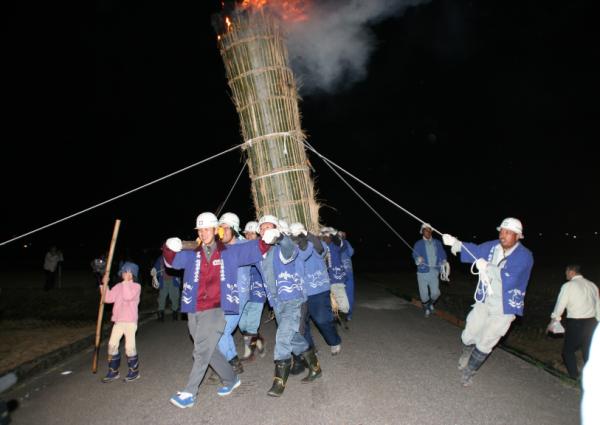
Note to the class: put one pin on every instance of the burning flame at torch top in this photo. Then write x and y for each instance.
(286, 10)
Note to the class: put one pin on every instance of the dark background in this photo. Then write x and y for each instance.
(470, 112)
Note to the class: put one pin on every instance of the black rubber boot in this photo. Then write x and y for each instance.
(175, 315)
(298, 366)
(314, 368)
(249, 347)
(282, 371)
(465, 356)
(344, 320)
(475, 361)
(261, 345)
(237, 365)
(161, 316)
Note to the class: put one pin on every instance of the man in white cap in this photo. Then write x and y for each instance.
(337, 271)
(229, 230)
(209, 291)
(250, 318)
(282, 269)
(504, 268)
(429, 256)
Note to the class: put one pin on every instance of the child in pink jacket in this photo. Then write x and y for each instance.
(126, 297)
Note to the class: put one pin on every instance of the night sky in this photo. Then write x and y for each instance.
(469, 112)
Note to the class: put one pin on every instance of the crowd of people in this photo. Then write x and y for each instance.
(227, 278)
(229, 275)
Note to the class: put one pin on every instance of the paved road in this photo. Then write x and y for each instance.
(396, 367)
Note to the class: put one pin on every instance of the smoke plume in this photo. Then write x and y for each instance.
(330, 50)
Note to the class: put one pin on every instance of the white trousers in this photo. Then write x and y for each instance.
(118, 330)
(484, 328)
(339, 293)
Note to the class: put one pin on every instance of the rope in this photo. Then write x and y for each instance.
(370, 207)
(231, 190)
(120, 196)
(444, 272)
(327, 160)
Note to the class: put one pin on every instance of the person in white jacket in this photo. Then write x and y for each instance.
(580, 298)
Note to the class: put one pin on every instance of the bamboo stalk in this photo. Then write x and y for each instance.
(111, 251)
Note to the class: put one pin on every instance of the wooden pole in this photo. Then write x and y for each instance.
(111, 251)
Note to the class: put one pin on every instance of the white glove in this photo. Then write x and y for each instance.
(448, 239)
(420, 260)
(153, 272)
(271, 235)
(454, 244)
(174, 244)
(155, 282)
(481, 264)
(482, 267)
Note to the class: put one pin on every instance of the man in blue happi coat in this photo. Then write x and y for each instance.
(504, 267)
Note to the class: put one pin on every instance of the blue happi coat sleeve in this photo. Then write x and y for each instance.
(419, 251)
(349, 249)
(233, 257)
(182, 259)
(479, 251)
(515, 278)
(441, 253)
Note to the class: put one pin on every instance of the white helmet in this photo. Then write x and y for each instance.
(268, 219)
(251, 226)
(232, 220)
(512, 224)
(297, 229)
(328, 231)
(206, 220)
(425, 226)
(284, 227)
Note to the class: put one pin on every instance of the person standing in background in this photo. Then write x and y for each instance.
(167, 283)
(429, 256)
(52, 262)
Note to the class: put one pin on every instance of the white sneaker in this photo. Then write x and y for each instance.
(335, 349)
(427, 313)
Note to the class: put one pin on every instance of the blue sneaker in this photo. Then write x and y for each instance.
(183, 400)
(228, 390)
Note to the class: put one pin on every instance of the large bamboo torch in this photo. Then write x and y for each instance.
(266, 98)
